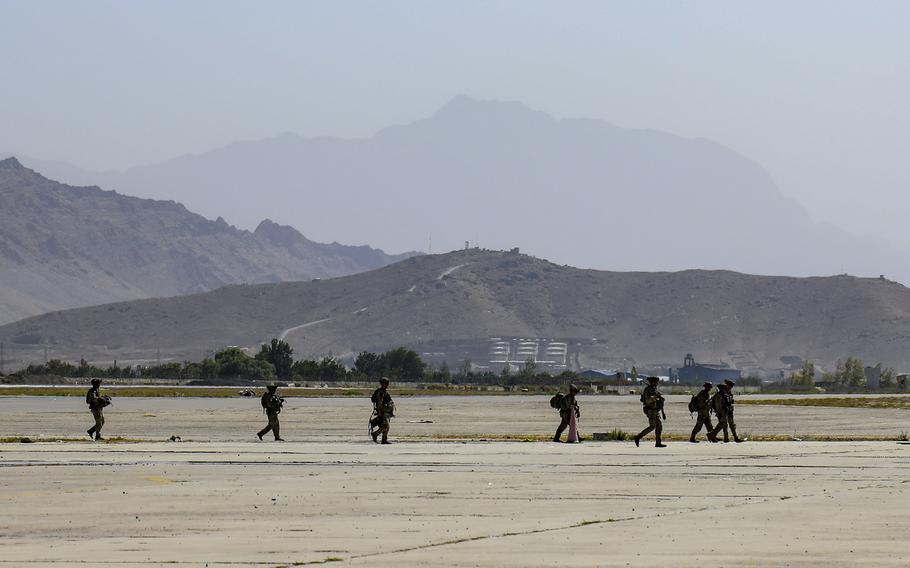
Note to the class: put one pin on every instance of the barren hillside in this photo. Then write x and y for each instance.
(427, 302)
(64, 246)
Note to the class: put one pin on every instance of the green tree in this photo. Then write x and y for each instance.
(331, 370)
(805, 377)
(887, 379)
(466, 369)
(369, 365)
(278, 353)
(850, 373)
(306, 369)
(856, 374)
(260, 370)
(234, 363)
(403, 364)
(529, 369)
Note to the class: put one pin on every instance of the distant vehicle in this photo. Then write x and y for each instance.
(247, 393)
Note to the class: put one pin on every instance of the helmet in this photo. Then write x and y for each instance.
(383, 381)
(96, 381)
(653, 379)
(272, 387)
(708, 384)
(573, 388)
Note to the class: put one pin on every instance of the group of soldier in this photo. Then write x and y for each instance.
(272, 403)
(703, 404)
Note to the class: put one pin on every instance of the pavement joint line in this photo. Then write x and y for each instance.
(590, 523)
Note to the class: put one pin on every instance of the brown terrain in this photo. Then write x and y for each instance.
(64, 247)
(430, 301)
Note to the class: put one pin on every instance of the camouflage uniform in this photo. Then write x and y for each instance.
(96, 403)
(566, 408)
(652, 405)
(383, 411)
(722, 404)
(703, 410)
(271, 404)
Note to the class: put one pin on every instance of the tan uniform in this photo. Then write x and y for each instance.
(568, 406)
(651, 401)
(96, 404)
(703, 410)
(722, 403)
(271, 402)
(383, 410)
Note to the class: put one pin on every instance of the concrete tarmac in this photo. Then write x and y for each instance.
(330, 495)
(418, 418)
(241, 504)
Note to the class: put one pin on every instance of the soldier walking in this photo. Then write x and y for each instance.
(722, 404)
(701, 404)
(567, 407)
(383, 411)
(271, 405)
(653, 406)
(96, 403)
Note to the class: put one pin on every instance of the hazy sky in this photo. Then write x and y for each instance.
(815, 91)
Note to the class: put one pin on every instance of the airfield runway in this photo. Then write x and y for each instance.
(230, 503)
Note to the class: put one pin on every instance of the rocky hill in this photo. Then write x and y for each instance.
(63, 246)
(499, 174)
(435, 303)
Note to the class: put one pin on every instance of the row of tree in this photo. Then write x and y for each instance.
(848, 374)
(273, 361)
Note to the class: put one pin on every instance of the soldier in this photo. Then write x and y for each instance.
(722, 404)
(96, 402)
(653, 406)
(271, 405)
(702, 405)
(383, 411)
(567, 406)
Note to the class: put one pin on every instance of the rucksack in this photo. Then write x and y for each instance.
(556, 401)
(693, 403)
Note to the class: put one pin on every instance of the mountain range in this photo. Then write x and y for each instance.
(64, 247)
(462, 302)
(576, 191)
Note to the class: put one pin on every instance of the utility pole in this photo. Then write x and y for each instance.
(45, 353)
(1, 357)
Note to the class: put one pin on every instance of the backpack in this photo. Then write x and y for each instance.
(556, 401)
(693, 403)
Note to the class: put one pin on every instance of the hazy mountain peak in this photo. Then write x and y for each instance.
(463, 107)
(497, 172)
(282, 235)
(11, 163)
